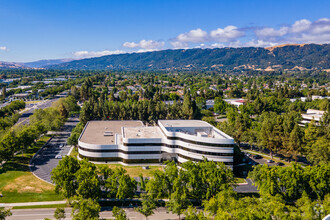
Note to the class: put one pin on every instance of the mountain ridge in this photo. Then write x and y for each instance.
(307, 56)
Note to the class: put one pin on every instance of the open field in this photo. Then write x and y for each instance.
(18, 184)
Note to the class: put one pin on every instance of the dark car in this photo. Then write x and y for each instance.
(257, 156)
(280, 164)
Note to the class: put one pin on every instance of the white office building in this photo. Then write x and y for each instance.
(130, 142)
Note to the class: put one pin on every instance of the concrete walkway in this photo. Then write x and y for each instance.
(32, 203)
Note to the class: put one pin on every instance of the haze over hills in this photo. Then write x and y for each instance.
(305, 56)
(43, 63)
(10, 65)
(34, 64)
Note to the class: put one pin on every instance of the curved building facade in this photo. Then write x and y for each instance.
(130, 142)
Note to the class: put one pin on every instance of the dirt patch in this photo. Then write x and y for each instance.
(28, 183)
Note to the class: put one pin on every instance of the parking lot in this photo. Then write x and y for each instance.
(258, 159)
(44, 161)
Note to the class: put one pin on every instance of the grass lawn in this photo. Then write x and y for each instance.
(74, 152)
(240, 180)
(134, 171)
(18, 184)
(42, 206)
(33, 102)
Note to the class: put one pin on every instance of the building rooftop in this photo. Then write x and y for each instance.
(104, 132)
(142, 132)
(193, 127)
(184, 123)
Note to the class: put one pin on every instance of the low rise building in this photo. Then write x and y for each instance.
(312, 114)
(130, 142)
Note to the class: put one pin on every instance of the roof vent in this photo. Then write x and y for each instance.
(108, 133)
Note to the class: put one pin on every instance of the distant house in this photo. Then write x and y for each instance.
(21, 95)
(209, 103)
(235, 102)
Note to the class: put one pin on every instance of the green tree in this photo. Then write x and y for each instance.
(148, 206)
(4, 213)
(59, 214)
(119, 214)
(187, 107)
(64, 176)
(296, 141)
(178, 200)
(220, 105)
(192, 214)
(88, 187)
(85, 209)
(319, 153)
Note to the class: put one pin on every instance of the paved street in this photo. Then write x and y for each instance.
(40, 214)
(24, 119)
(45, 161)
(246, 188)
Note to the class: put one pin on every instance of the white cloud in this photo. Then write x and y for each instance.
(145, 44)
(271, 32)
(300, 26)
(195, 36)
(301, 31)
(226, 34)
(260, 43)
(217, 45)
(236, 43)
(179, 45)
(3, 48)
(321, 26)
(87, 54)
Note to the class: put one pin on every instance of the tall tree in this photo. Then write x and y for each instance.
(148, 206)
(64, 176)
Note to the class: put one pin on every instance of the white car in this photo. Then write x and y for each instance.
(62, 145)
(58, 156)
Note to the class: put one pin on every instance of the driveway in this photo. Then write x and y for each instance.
(44, 161)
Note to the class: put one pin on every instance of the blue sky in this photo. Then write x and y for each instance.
(49, 29)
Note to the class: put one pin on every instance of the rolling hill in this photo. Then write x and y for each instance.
(302, 56)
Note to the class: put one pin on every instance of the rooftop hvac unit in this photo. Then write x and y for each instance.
(108, 133)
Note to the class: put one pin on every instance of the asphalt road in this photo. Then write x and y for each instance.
(40, 214)
(24, 119)
(44, 162)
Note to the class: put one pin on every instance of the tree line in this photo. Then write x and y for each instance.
(42, 120)
(290, 192)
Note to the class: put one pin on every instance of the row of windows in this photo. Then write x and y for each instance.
(116, 159)
(156, 152)
(196, 160)
(197, 142)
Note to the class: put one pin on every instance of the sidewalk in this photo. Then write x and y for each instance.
(32, 203)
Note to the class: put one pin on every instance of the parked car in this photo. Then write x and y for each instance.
(270, 161)
(58, 156)
(248, 155)
(280, 164)
(62, 145)
(257, 156)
